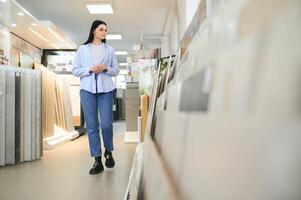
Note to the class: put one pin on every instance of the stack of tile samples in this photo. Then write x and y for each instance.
(57, 116)
(228, 125)
(20, 115)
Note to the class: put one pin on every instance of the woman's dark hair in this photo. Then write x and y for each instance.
(95, 24)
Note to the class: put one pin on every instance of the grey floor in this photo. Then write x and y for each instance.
(62, 173)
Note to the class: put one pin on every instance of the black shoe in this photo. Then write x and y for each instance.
(110, 162)
(97, 166)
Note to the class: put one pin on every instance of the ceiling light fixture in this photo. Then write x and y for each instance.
(3, 1)
(56, 35)
(114, 37)
(14, 25)
(34, 24)
(37, 34)
(21, 14)
(121, 53)
(100, 8)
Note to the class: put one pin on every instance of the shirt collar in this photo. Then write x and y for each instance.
(102, 44)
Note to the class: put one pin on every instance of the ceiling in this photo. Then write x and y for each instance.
(131, 18)
(44, 35)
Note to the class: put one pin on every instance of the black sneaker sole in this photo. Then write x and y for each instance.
(95, 172)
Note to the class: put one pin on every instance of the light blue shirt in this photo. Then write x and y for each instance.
(89, 81)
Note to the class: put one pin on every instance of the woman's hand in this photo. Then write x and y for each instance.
(102, 68)
(98, 68)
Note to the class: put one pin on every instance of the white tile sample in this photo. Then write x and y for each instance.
(38, 97)
(33, 115)
(27, 116)
(2, 117)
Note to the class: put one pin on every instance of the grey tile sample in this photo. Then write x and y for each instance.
(27, 117)
(17, 117)
(38, 96)
(195, 93)
(22, 96)
(132, 106)
(10, 118)
(2, 117)
(33, 115)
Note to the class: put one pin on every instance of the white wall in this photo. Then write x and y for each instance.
(179, 17)
(173, 28)
(191, 7)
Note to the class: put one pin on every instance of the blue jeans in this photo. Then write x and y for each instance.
(93, 104)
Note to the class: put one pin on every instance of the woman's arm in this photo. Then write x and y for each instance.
(77, 69)
(112, 70)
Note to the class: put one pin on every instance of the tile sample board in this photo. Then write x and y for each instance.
(38, 136)
(132, 106)
(2, 117)
(195, 92)
(33, 115)
(17, 116)
(27, 117)
(20, 115)
(10, 118)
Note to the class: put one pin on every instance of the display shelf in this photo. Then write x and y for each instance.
(20, 101)
(231, 125)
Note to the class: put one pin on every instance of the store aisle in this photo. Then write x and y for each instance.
(62, 174)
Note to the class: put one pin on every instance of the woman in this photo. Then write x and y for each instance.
(95, 64)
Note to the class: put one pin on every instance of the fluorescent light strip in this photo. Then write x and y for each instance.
(121, 53)
(14, 25)
(54, 33)
(20, 14)
(123, 64)
(114, 37)
(38, 35)
(100, 8)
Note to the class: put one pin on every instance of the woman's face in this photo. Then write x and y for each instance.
(100, 32)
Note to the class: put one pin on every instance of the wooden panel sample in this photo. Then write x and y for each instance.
(144, 111)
